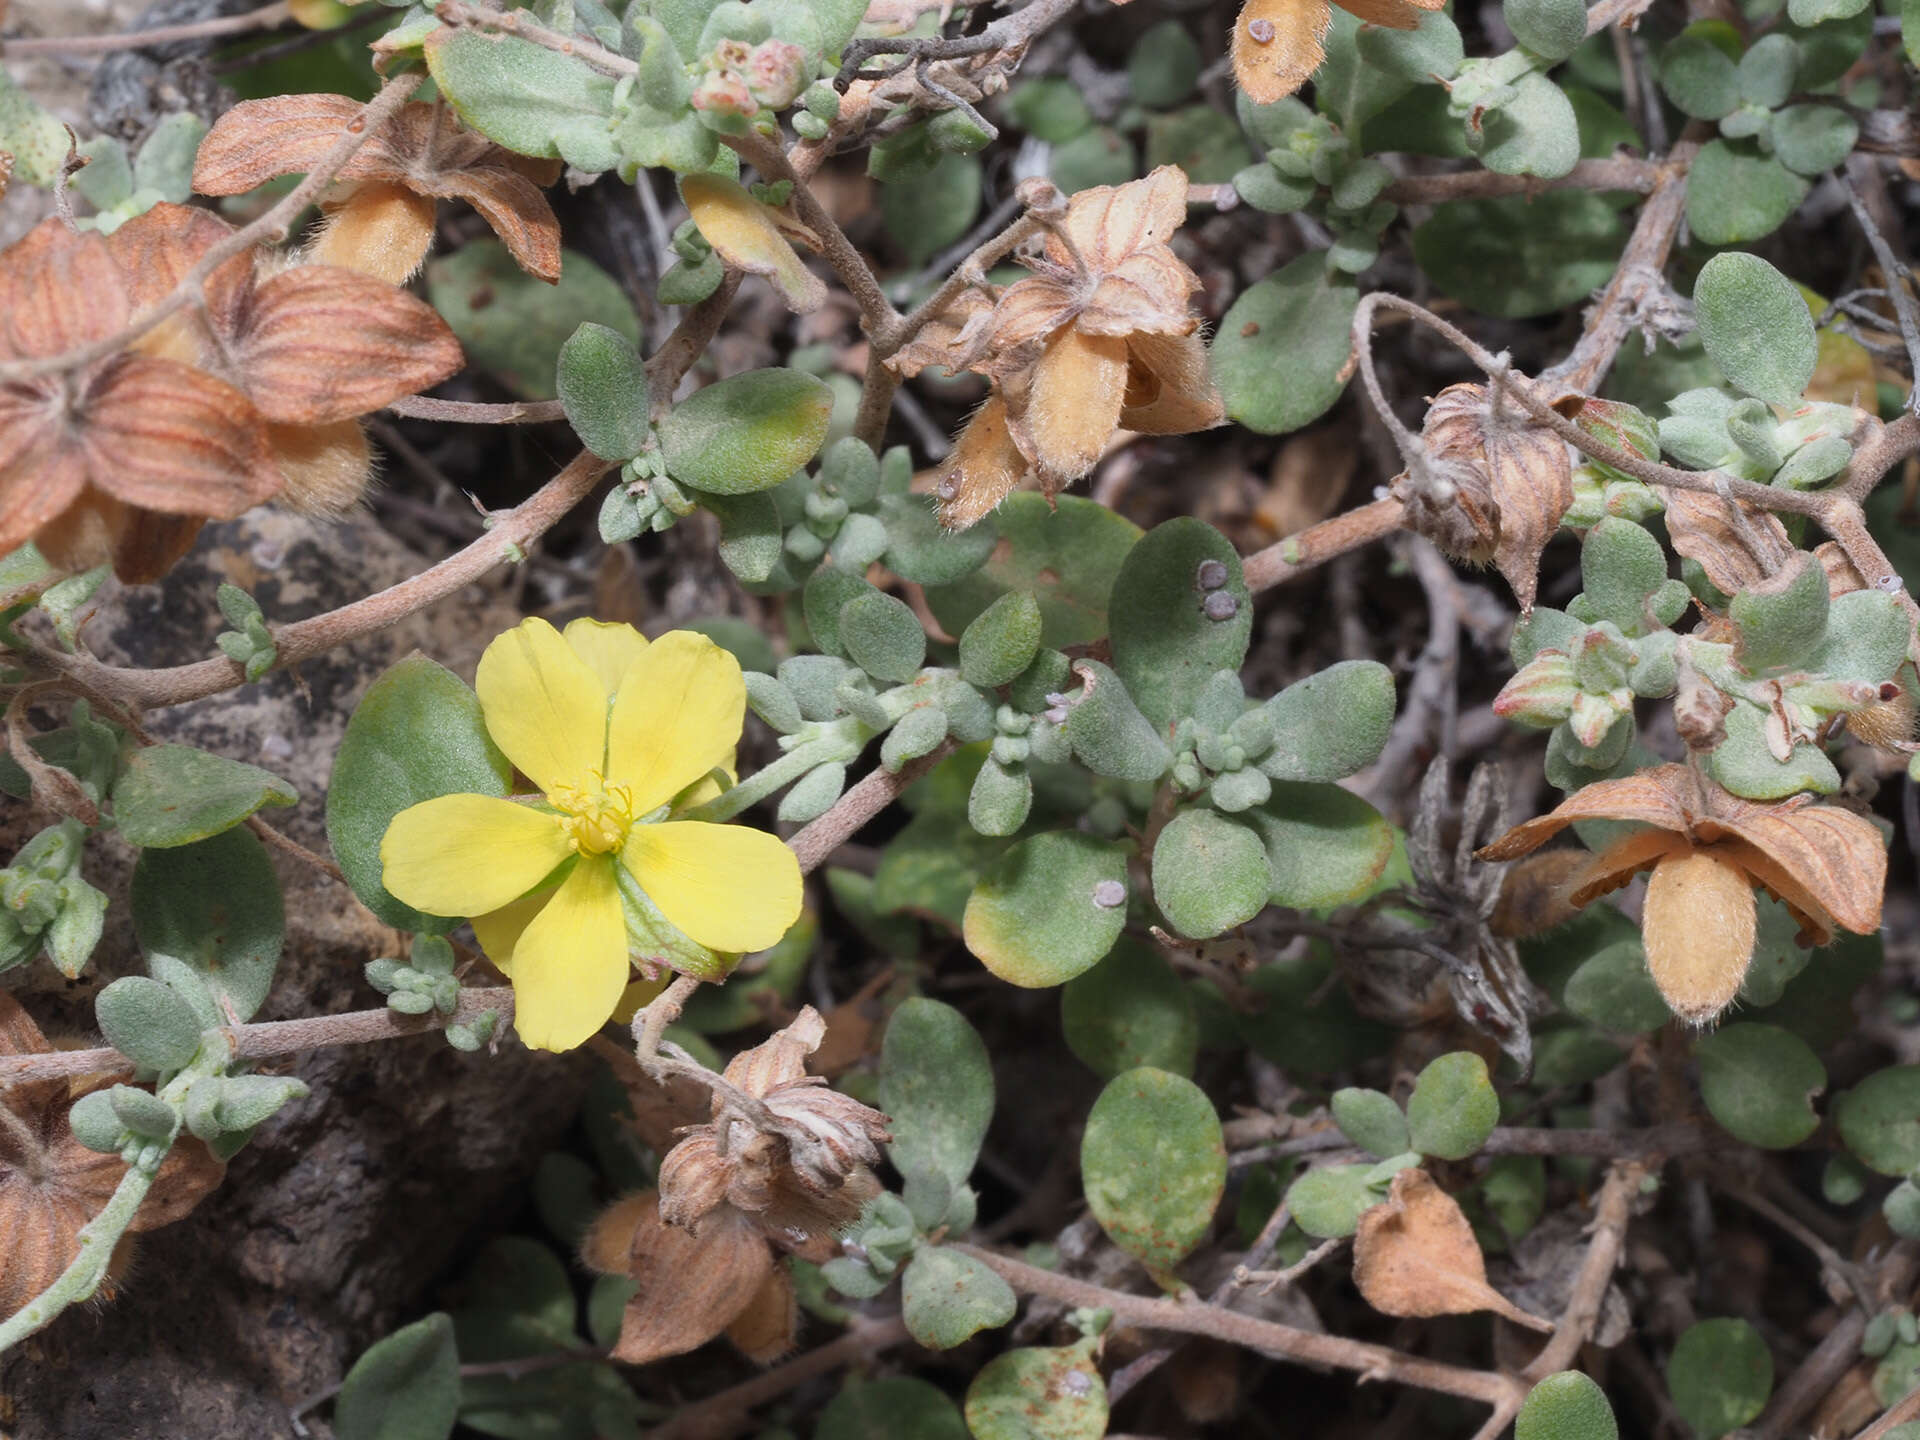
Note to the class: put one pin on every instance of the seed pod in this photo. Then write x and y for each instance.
(1698, 925)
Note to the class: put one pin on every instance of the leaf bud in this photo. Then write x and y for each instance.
(144, 1113)
(95, 1124)
(148, 1023)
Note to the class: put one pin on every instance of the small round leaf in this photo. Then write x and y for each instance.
(1756, 327)
(1130, 1010)
(1048, 909)
(1453, 1108)
(1154, 1165)
(1566, 1406)
(146, 1022)
(897, 1407)
(1371, 1120)
(1038, 1393)
(1719, 1375)
(1209, 874)
(1758, 1082)
(748, 432)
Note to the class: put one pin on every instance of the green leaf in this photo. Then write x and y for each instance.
(1515, 256)
(1735, 195)
(1551, 29)
(1281, 350)
(1108, 733)
(925, 213)
(406, 1387)
(1613, 990)
(1756, 327)
(516, 1290)
(1817, 12)
(947, 1298)
(1432, 50)
(214, 907)
(33, 135)
(1101, 156)
(1209, 874)
(1048, 909)
(1566, 1406)
(1180, 611)
(1130, 1010)
(922, 550)
(174, 795)
(1812, 139)
(1325, 845)
(1304, 1023)
(937, 1085)
(149, 1024)
(1203, 141)
(1035, 1393)
(881, 634)
(603, 386)
(532, 100)
(1879, 1120)
(1327, 1203)
(1759, 1082)
(746, 433)
(1154, 1165)
(1744, 762)
(1372, 1121)
(895, 1407)
(1719, 1375)
(1050, 109)
(1001, 642)
(1163, 66)
(1866, 638)
(1536, 133)
(1453, 1108)
(514, 325)
(1066, 559)
(1699, 77)
(1332, 724)
(417, 734)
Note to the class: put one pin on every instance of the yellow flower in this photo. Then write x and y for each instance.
(619, 736)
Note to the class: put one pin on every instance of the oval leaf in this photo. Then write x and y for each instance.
(1759, 1082)
(214, 907)
(1756, 327)
(1154, 1165)
(936, 1086)
(174, 795)
(1048, 909)
(746, 433)
(406, 1387)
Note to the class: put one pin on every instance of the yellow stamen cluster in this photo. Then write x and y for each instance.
(596, 820)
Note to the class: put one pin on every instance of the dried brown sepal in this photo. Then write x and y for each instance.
(1842, 577)
(6, 172)
(690, 1285)
(1414, 1254)
(1278, 44)
(983, 470)
(1826, 864)
(1063, 416)
(1698, 925)
(1169, 388)
(1533, 895)
(1737, 544)
(381, 229)
(317, 344)
(767, 1328)
(423, 149)
(1513, 481)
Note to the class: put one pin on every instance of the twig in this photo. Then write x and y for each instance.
(1433, 692)
(724, 1414)
(1660, 1140)
(512, 532)
(1619, 172)
(265, 18)
(1907, 1409)
(1831, 1260)
(270, 1038)
(1317, 544)
(1283, 1342)
(813, 844)
(467, 412)
(1610, 1214)
(1896, 275)
(519, 23)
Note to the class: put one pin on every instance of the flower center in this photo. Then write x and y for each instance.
(596, 819)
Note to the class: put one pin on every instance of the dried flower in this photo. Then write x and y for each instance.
(1708, 851)
(125, 458)
(1278, 44)
(612, 778)
(380, 207)
(51, 1185)
(1100, 337)
(1494, 486)
(313, 347)
(1415, 1254)
(782, 1165)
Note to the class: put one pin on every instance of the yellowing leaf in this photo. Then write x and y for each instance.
(747, 237)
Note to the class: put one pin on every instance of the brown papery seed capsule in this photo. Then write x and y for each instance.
(1698, 925)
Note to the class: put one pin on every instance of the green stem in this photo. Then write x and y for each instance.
(837, 745)
(81, 1278)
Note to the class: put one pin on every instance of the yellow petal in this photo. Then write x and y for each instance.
(678, 714)
(727, 887)
(469, 854)
(571, 963)
(607, 648)
(498, 931)
(712, 788)
(1277, 45)
(544, 705)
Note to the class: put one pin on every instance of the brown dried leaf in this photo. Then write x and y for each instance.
(744, 233)
(1842, 577)
(155, 251)
(1415, 1255)
(767, 1328)
(320, 344)
(689, 1286)
(1734, 542)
